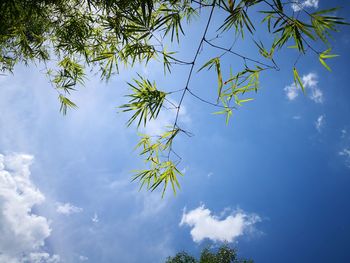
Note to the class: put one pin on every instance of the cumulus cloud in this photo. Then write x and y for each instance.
(320, 123)
(22, 233)
(205, 225)
(310, 82)
(67, 209)
(297, 6)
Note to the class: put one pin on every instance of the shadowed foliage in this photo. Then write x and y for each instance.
(224, 254)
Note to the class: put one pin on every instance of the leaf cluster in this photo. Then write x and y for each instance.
(146, 101)
(318, 26)
(238, 85)
(162, 171)
(238, 17)
(235, 87)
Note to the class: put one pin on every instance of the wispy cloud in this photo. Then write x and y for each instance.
(166, 118)
(344, 132)
(67, 209)
(319, 123)
(83, 258)
(149, 205)
(310, 82)
(205, 225)
(297, 6)
(22, 232)
(291, 91)
(346, 154)
(345, 146)
(95, 219)
(42, 257)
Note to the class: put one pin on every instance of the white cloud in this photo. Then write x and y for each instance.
(291, 91)
(296, 117)
(42, 257)
(95, 218)
(343, 133)
(316, 95)
(346, 154)
(22, 233)
(83, 258)
(29, 113)
(39, 257)
(320, 123)
(67, 209)
(310, 82)
(307, 3)
(205, 225)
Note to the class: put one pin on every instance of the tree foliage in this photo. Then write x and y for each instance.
(72, 37)
(224, 254)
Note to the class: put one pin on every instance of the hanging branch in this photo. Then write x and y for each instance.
(191, 69)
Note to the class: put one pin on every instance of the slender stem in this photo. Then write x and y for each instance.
(206, 101)
(191, 69)
(239, 55)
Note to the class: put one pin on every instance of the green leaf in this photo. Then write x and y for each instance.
(297, 79)
(245, 100)
(161, 174)
(323, 22)
(218, 71)
(215, 62)
(326, 55)
(227, 111)
(65, 104)
(208, 64)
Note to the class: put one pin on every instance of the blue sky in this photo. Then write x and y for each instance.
(274, 183)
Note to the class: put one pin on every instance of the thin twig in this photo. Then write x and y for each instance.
(191, 69)
(208, 102)
(239, 55)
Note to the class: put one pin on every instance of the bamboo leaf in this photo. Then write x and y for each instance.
(208, 64)
(297, 79)
(326, 55)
